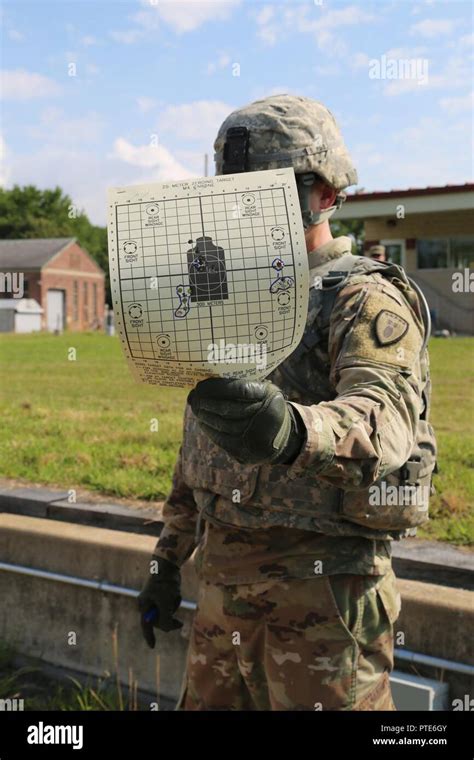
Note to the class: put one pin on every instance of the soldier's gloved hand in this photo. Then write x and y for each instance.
(159, 600)
(251, 420)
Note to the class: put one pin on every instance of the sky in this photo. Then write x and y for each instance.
(100, 93)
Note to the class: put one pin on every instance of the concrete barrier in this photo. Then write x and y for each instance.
(40, 617)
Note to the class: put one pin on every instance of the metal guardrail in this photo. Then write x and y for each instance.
(401, 654)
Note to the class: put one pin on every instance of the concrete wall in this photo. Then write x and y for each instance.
(37, 615)
(453, 311)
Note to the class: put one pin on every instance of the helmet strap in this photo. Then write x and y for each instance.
(304, 183)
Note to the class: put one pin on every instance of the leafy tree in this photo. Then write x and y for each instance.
(354, 228)
(28, 212)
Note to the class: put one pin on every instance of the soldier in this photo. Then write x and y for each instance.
(281, 481)
(377, 252)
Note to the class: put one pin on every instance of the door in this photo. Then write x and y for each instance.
(394, 251)
(55, 310)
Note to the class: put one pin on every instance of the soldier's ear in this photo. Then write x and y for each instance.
(327, 195)
(322, 195)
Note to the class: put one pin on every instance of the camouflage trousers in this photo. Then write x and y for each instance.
(324, 643)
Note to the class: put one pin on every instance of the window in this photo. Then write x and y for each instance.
(432, 254)
(442, 253)
(85, 302)
(94, 299)
(462, 252)
(395, 251)
(75, 301)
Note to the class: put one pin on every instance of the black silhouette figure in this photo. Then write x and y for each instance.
(207, 274)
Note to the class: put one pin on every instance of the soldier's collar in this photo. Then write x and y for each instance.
(333, 249)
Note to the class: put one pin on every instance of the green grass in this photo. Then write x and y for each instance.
(86, 423)
(40, 691)
(452, 374)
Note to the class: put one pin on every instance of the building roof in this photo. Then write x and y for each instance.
(468, 187)
(21, 305)
(30, 253)
(425, 200)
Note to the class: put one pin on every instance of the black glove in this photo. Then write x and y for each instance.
(249, 419)
(159, 600)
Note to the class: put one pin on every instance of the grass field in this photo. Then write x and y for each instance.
(86, 423)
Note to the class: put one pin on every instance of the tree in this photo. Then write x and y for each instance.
(354, 228)
(28, 212)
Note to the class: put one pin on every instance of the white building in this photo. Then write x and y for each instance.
(20, 315)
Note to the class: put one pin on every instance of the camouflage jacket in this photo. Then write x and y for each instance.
(359, 396)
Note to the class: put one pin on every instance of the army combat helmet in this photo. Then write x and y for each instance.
(287, 130)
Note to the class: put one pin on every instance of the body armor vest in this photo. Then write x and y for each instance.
(258, 496)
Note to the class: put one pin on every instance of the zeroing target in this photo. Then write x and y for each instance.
(261, 332)
(163, 341)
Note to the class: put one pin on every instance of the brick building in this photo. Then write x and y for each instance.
(430, 232)
(61, 276)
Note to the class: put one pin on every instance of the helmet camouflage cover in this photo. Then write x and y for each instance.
(290, 130)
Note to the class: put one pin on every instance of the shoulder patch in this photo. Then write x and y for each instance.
(374, 330)
(389, 327)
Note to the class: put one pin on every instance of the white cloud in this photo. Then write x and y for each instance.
(20, 84)
(15, 35)
(81, 174)
(322, 24)
(267, 24)
(88, 40)
(265, 15)
(197, 121)
(85, 174)
(194, 160)
(431, 28)
(5, 170)
(430, 154)
(127, 37)
(146, 104)
(368, 154)
(221, 63)
(458, 104)
(327, 28)
(327, 70)
(160, 159)
(56, 128)
(186, 15)
(359, 60)
(269, 34)
(404, 86)
(405, 52)
(258, 93)
(467, 40)
(456, 73)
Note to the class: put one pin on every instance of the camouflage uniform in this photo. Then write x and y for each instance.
(297, 597)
